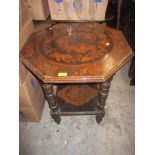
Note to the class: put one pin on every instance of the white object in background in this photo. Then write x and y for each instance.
(39, 9)
(78, 9)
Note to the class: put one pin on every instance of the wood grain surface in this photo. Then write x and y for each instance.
(76, 53)
(77, 94)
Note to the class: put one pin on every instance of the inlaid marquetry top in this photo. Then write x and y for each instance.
(77, 52)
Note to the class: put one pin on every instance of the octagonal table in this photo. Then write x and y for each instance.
(81, 59)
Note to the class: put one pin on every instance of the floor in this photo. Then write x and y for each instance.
(81, 135)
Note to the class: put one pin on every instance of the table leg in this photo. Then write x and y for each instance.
(102, 94)
(49, 93)
(119, 5)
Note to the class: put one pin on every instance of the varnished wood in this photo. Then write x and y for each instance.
(103, 94)
(77, 99)
(49, 93)
(119, 5)
(131, 72)
(76, 53)
(90, 53)
(77, 94)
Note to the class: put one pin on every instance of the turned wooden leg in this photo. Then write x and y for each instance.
(102, 94)
(50, 96)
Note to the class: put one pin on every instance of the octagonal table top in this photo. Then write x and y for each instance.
(75, 53)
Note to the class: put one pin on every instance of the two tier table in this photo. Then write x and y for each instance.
(80, 59)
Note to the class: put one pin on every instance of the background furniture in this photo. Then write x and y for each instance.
(119, 6)
(127, 26)
(125, 21)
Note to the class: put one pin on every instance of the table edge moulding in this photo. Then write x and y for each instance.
(81, 59)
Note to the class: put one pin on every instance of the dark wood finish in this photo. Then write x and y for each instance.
(127, 25)
(119, 5)
(91, 53)
(132, 72)
(108, 17)
(77, 99)
(76, 53)
(50, 96)
(102, 94)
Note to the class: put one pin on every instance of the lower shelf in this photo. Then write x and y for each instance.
(77, 99)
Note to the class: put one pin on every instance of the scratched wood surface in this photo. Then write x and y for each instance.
(76, 53)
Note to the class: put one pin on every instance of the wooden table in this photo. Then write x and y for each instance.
(81, 59)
